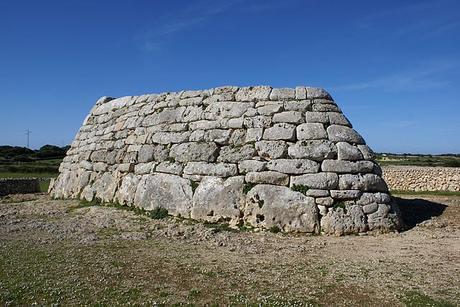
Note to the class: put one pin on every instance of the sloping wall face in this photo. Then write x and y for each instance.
(262, 157)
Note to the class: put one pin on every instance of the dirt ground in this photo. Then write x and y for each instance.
(61, 252)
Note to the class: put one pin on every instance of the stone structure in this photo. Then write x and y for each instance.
(262, 157)
(422, 178)
(19, 186)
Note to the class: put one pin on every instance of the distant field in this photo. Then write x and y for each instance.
(418, 160)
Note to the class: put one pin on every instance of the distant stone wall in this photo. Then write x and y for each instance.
(259, 156)
(420, 178)
(19, 186)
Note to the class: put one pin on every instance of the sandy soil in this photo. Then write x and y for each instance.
(58, 251)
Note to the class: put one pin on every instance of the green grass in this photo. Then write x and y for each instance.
(417, 299)
(428, 193)
(300, 188)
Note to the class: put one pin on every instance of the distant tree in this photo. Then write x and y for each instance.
(51, 152)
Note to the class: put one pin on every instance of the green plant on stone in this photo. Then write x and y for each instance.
(300, 188)
(158, 213)
(340, 204)
(274, 229)
(194, 185)
(248, 187)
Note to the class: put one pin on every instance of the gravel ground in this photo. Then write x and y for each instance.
(62, 252)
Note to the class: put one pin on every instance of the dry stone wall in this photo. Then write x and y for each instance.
(421, 178)
(19, 186)
(256, 156)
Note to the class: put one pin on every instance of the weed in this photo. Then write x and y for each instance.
(414, 298)
(218, 227)
(248, 187)
(158, 213)
(194, 185)
(300, 188)
(340, 205)
(275, 229)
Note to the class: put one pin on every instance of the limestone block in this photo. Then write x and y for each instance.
(235, 123)
(145, 153)
(293, 166)
(340, 166)
(164, 191)
(125, 194)
(317, 193)
(268, 177)
(316, 150)
(160, 153)
(167, 115)
(279, 132)
(236, 154)
(311, 131)
(317, 93)
(324, 201)
(211, 169)
(170, 137)
(320, 107)
(282, 94)
(366, 182)
(237, 137)
(338, 119)
(205, 125)
(322, 181)
(293, 117)
(254, 134)
(294, 105)
(106, 186)
(345, 194)
(260, 121)
(368, 154)
(194, 151)
(317, 117)
(228, 109)
(338, 133)
(383, 219)
(368, 198)
(271, 149)
(216, 199)
(370, 208)
(270, 206)
(144, 168)
(348, 152)
(341, 222)
(255, 93)
(169, 167)
(270, 109)
(246, 166)
(300, 93)
(191, 113)
(192, 101)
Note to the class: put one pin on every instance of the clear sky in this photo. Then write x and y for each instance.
(392, 66)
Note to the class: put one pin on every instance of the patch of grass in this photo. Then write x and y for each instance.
(300, 188)
(194, 185)
(434, 193)
(417, 299)
(159, 213)
(248, 187)
(218, 227)
(27, 175)
(275, 229)
(340, 205)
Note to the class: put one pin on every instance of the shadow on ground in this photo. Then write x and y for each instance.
(415, 211)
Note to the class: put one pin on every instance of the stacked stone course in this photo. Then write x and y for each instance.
(259, 156)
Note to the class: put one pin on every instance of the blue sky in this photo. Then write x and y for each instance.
(392, 66)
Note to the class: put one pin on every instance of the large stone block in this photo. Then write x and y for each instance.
(317, 150)
(270, 207)
(164, 191)
(211, 169)
(218, 200)
(322, 181)
(363, 182)
(271, 149)
(236, 154)
(340, 166)
(269, 177)
(280, 131)
(311, 131)
(338, 133)
(293, 166)
(194, 151)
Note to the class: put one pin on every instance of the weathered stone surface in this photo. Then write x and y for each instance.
(344, 221)
(150, 150)
(253, 93)
(271, 149)
(270, 206)
(340, 166)
(268, 177)
(236, 154)
(323, 181)
(280, 131)
(247, 166)
(211, 169)
(366, 182)
(348, 152)
(316, 150)
(216, 200)
(345, 194)
(293, 166)
(194, 151)
(282, 94)
(338, 133)
(312, 131)
(169, 167)
(164, 191)
(293, 117)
